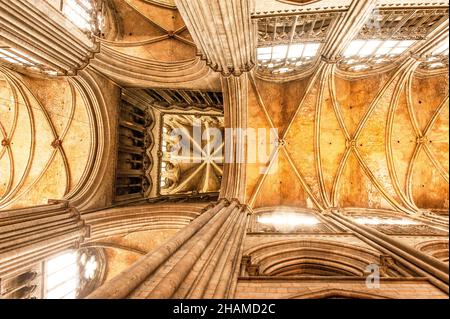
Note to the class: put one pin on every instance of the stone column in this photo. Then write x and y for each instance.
(424, 265)
(201, 261)
(235, 91)
(223, 32)
(346, 29)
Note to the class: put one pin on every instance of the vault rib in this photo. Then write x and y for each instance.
(160, 27)
(436, 163)
(14, 83)
(388, 136)
(302, 181)
(59, 147)
(338, 113)
(317, 122)
(261, 180)
(403, 69)
(420, 135)
(7, 149)
(309, 86)
(261, 102)
(374, 180)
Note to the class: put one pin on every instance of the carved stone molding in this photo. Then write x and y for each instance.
(50, 39)
(223, 33)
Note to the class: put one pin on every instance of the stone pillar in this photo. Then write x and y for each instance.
(424, 265)
(30, 235)
(223, 32)
(235, 91)
(201, 261)
(346, 29)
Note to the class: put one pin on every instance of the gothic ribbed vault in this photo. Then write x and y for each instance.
(317, 157)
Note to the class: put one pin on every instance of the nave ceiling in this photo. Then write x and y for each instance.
(369, 144)
(47, 136)
(377, 142)
(384, 134)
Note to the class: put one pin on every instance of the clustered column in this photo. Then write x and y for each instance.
(201, 261)
(422, 264)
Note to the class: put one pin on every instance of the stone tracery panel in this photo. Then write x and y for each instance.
(388, 36)
(134, 143)
(24, 285)
(291, 44)
(197, 167)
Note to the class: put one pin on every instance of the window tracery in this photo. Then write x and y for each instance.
(287, 58)
(186, 99)
(398, 226)
(388, 35)
(82, 13)
(73, 274)
(438, 59)
(15, 58)
(369, 54)
(69, 275)
(134, 140)
(285, 221)
(288, 44)
(25, 285)
(86, 15)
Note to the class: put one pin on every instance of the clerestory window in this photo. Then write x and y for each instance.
(80, 12)
(72, 274)
(438, 59)
(15, 58)
(286, 58)
(367, 54)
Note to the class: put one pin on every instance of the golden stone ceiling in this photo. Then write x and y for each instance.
(344, 141)
(145, 31)
(374, 142)
(46, 135)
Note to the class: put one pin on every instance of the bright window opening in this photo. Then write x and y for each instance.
(66, 274)
(438, 58)
(61, 275)
(80, 13)
(17, 57)
(365, 54)
(377, 48)
(286, 58)
(286, 221)
(384, 221)
(441, 49)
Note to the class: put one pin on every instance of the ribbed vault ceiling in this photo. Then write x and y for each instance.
(46, 139)
(375, 142)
